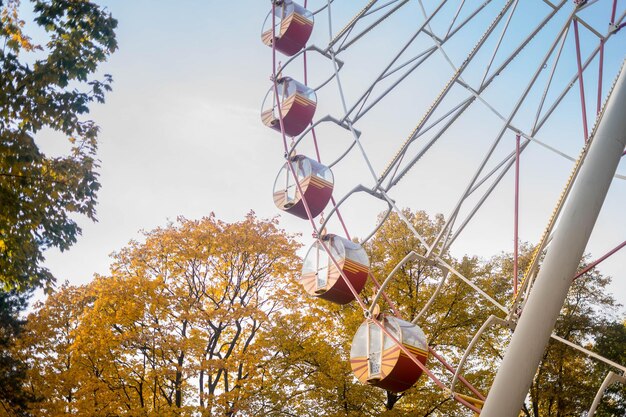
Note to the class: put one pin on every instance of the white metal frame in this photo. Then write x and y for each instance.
(486, 183)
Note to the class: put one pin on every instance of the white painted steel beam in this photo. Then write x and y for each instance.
(546, 298)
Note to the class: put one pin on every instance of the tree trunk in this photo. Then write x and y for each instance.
(179, 372)
(392, 399)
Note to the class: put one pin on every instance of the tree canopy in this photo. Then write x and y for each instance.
(173, 330)
(206, 318)
(48, 85)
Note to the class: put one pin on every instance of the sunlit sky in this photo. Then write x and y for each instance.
(181, 133)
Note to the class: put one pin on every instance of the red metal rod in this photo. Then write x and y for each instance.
(613, 12)
(319, 159)
(340, 218)
(516, 220)
(391, 305)
(292, 169)
(581, 83)
(597, 261)
(293, 172)
(452, 370)
(282, 125)
(600, 71)
(317, 150)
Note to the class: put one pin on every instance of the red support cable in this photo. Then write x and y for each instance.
(597, 261)
(317, 150)
(452, 370)
(391, 305)
(340, 218)
(581, 82)
(282, 131)
(516, 217)
(292, 169)
(600, 72)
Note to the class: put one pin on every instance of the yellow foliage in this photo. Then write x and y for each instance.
(172, 330)
(206, 318)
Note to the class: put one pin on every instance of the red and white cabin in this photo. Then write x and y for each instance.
(314, 179)
(321, 278)
(377, 360)
(292, 30)
(297, 106)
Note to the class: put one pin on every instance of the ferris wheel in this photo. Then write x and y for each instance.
(455, 93)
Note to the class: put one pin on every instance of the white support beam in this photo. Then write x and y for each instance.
(546, 298)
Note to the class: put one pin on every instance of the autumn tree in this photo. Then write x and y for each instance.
(47, 347)
(612, 345)
(173, 330)
(48, 85)
(449, 323)
(567, 380)
(206, 318)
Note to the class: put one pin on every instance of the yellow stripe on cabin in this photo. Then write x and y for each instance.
(288, 102)
(300, 99)
(417, 351)
(319, 182)
(352, 266)
(301, 19)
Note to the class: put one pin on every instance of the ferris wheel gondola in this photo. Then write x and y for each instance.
(322, 278)
(293, 25)
(313, 183)
(297, 106)
(377, 360)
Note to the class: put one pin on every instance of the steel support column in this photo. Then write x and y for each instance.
(532, 333)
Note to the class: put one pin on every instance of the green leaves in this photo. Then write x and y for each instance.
(13, 395)
(39, 194)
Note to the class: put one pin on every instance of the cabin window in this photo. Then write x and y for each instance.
(321, 268)
(304, 168)
(290, 187)
(355, 252)
(374, 349)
